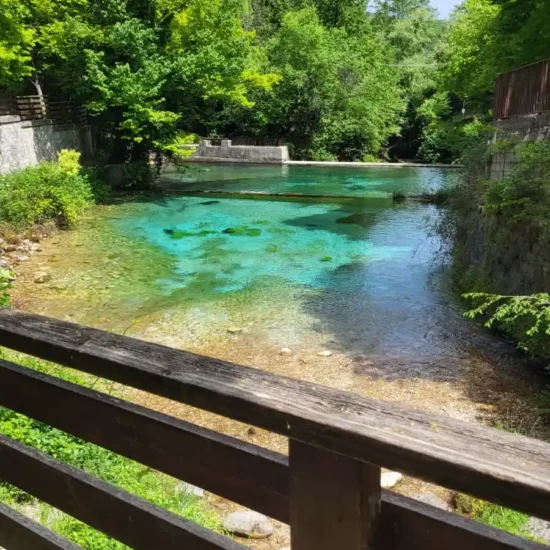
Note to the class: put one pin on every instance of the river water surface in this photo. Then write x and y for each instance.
(241, 278)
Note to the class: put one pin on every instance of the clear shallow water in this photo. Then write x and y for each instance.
(372, 182)
(358, 277)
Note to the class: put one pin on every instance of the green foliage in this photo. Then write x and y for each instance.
(6, 277)
(135, 478)
(16, 41)
(492, 514)
(526, 318)
(55, 191)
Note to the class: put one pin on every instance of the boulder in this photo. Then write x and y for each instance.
(248, 524)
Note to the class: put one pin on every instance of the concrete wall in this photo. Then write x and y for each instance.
(226, 152)
(28, 143)
(525, 128)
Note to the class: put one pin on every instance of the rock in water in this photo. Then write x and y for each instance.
(234, 330)
(390, 479)
(325, 353)
(248, 524)
(286, 351)
(42, 278)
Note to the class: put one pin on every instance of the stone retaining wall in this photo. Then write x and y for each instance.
(26, 143)
(226, 152)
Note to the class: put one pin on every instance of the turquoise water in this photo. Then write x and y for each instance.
(342, 181)
(359, 276)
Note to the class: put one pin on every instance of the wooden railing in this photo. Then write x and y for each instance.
(524, 91)
(328, 489)
(43, 108)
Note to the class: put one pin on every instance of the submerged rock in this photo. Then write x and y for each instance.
(234, 330)
(42, 277)
(208, 203)
(325, 353)
(248, 524)
(286, 351)
(243, 231)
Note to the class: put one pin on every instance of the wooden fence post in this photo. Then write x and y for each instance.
(334, 501)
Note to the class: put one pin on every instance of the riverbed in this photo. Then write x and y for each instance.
(351, 292)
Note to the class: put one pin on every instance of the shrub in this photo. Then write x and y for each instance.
(57, 191)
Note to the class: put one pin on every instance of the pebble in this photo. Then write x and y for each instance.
(325, 353)
(286, 351)
(234, 330)
(40, 278)
(390, 479)
(248, 524)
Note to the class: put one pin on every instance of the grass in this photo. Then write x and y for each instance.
(157, 488)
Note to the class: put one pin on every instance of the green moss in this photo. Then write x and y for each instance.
(177, 234)
(272, 248)
(326, 258)
(244, 231)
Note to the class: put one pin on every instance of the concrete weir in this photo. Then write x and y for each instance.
(227, 152)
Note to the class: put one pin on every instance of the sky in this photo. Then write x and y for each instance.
(444, 7)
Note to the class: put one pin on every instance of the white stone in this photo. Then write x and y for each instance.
(390, 479)
(188, 489)
(248, 524)
(539, 529)
(22, 258)
(286, 351)
(325, 353)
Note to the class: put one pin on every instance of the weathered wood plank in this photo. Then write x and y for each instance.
(487, 463)
(236, 470)
(123, 516)
(153, 439)
(407, 524)
(18, 532)
(334, 500)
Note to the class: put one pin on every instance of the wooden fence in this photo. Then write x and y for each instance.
(327, 489)
(524, 91)
(34, 107)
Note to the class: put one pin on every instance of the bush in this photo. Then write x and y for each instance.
(57, 191)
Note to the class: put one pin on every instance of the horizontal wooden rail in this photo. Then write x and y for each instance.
(123, 516)
(238, 471)
(487, 463)
(18, 532)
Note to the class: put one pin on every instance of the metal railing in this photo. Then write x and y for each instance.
(327, 489)
(523, 91)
